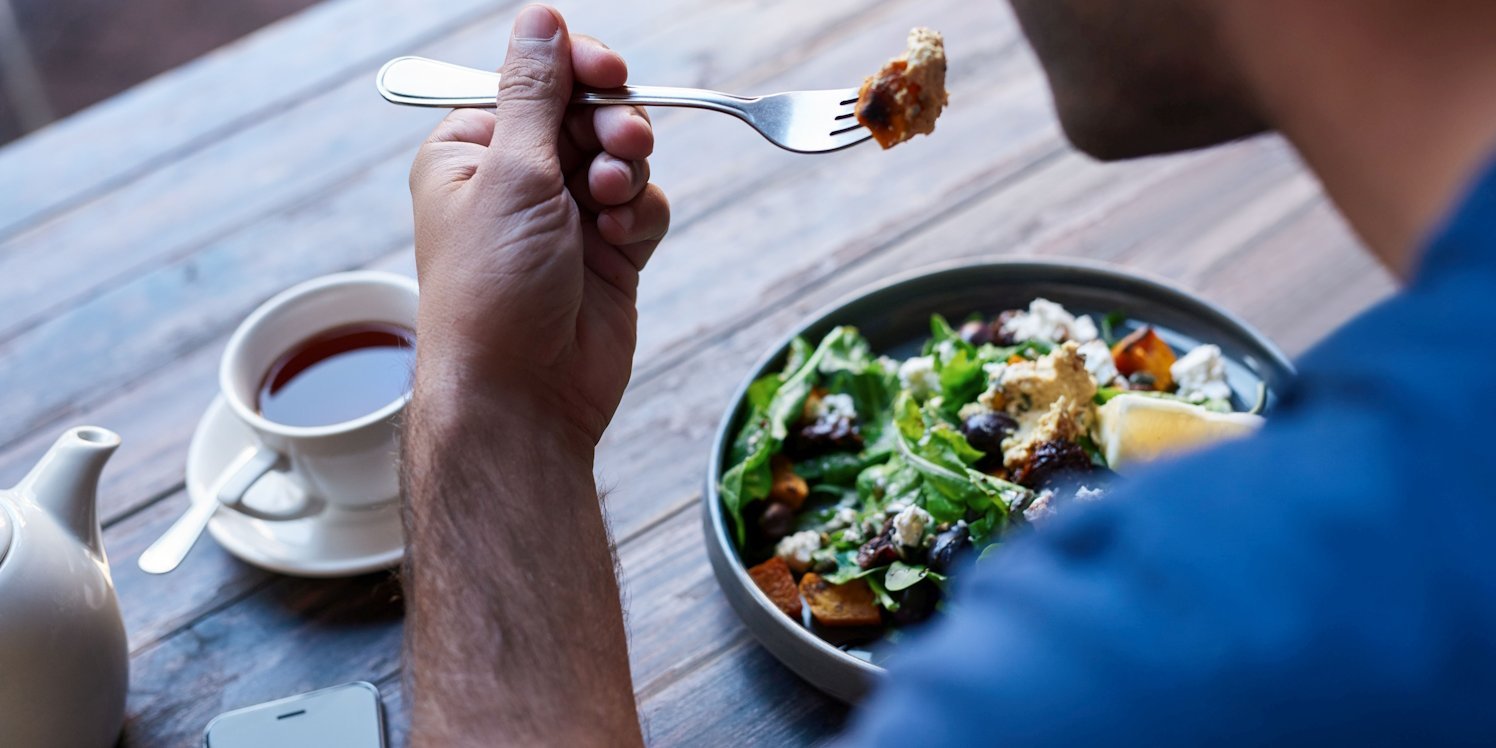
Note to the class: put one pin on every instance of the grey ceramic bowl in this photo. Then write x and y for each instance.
(895, 317)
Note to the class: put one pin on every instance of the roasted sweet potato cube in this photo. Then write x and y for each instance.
(774, 578)
(1145, 352)
(787, 488)
(849, 604)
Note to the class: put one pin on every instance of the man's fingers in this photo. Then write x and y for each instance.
(464, 126)
(613, 181)
(595, 65)
(452, 151)
(443, 164)
(534, 87)
(643, 220)
(624, 131)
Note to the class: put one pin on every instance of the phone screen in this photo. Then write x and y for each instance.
(346, 715)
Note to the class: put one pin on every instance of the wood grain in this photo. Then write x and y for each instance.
(125, 279)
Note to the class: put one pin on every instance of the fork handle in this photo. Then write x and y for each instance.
(418, 81)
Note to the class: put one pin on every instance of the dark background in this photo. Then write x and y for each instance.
(59, 56)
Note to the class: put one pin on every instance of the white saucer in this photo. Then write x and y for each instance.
(333, 543)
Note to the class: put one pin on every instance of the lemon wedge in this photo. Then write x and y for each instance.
(1134, 429)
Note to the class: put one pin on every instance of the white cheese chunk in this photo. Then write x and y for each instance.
(1201, 375)
(796, 549)
(909, 526)
(1049, 322)
(918, 376)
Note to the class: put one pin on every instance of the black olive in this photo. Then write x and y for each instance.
(778, 520)
(986, 432)
(916, 603)
(1052, 463)
(948, 547)
(976, 332)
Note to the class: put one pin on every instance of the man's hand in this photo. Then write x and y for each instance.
(532, 224)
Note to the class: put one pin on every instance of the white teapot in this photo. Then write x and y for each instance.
(64, 661)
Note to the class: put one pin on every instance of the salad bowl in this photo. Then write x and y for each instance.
(895, 317)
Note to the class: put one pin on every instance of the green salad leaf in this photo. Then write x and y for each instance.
(844, 360)
(902, 576)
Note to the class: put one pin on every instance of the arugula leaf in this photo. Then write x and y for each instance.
(958, 365)
(902, 576)
(847, 568)
(1109, 325)
(881, 592)
(886, 483)
(835, 468)
(941, 456)
(749, 480)
(746, 482)
(762, 391)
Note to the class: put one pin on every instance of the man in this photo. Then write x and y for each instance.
(1328, 580)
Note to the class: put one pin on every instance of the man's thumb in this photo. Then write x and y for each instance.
(534, 84)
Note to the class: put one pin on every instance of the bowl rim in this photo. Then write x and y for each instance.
(720, 540)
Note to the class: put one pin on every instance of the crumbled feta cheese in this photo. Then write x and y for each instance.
(1040, 509)
(1099, 362)
(918, 376)
(1049, 322)
(796, 550)
(909, 526)
(1086, 493)
(836, 406)
(994, 371)
(843, 517)
(1084, 330)
(1201, 375)
(895, 508)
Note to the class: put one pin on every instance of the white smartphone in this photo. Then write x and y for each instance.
(347, 716)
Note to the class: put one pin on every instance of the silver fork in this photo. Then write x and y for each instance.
(799, 121)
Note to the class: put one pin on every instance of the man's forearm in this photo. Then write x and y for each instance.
(514, 633)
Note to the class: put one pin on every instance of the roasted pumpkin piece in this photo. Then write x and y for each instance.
(774, 578)
(837, 605)
(1145, 353)
(787, 488)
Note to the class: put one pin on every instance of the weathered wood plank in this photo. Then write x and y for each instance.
(187, 108)
(743, 697)
(289, 637)
(158, 606)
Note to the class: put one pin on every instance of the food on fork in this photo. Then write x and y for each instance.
(905, 97)
(860, 483)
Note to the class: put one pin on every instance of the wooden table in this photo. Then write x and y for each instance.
(135, 235)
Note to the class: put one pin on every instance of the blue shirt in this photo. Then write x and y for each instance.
(1331, 580)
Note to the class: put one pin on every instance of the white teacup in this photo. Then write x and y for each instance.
(297, 471)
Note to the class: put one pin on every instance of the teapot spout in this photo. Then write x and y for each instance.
(66, 481)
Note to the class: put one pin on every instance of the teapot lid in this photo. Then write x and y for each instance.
(5, 532)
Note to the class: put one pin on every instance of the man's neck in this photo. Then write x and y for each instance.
(1391, 102)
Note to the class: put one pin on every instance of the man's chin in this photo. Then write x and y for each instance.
(1117, 136)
